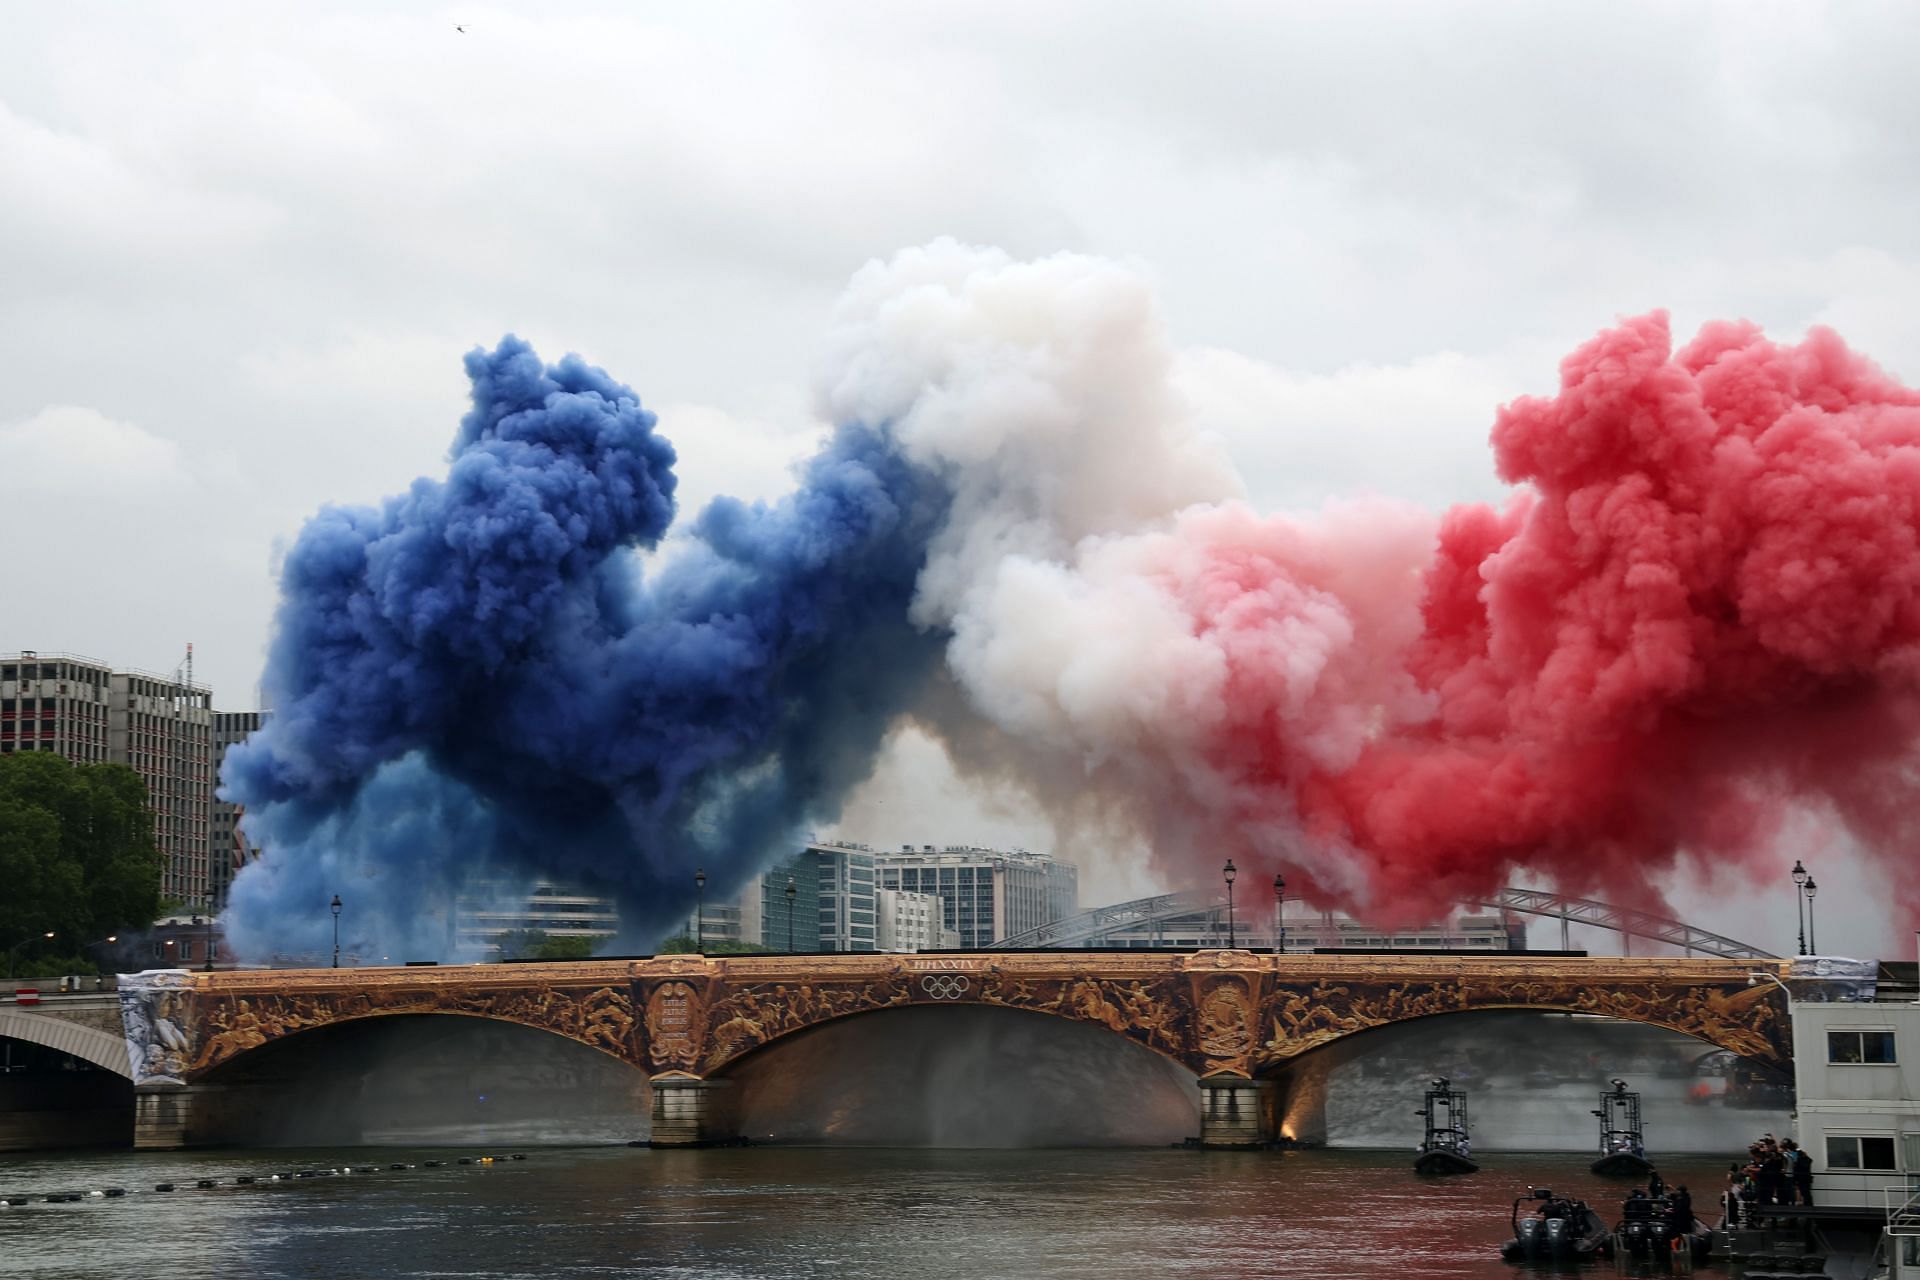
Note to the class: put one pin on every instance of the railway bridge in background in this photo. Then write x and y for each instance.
(1233, 1018)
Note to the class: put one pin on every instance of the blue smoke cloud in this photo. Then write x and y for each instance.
(485, 679)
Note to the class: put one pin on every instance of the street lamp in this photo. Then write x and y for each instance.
(336, 930)
(14, 950)
(101, 942)
(1279, 914)
(1800, 907)
(1228, 872)
(792, 893)
(699, 909)
(1813, 945)
(207, 899)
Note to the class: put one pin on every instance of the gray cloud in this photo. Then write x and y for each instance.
(260, 242)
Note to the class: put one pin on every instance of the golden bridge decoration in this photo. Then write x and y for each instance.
(1237, 1020)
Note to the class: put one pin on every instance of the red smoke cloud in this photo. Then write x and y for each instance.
(1705, 613)
(1696, 619)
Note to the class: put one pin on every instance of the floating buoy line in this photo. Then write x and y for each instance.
(246, 1180)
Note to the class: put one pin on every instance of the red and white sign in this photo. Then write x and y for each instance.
(26, 995)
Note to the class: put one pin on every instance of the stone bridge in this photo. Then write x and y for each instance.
(88, 1027)
(1235, 1019)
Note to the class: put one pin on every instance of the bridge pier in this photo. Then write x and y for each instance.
(1236, 1111)
(693, 1113)
(168, 1117)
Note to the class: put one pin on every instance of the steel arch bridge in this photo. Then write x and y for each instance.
(1102, 922)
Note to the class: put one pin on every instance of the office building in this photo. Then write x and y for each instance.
(779, 922)
(486, 911)
(159, 726)
(846, 907)
(985, 894)
(832, 907)
(61, 703)
(912, 922)
(229, 849)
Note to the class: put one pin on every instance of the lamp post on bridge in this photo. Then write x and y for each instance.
(792, 893)
(1279, 914)
(1813, 945)
(1799, 905)
(335, 906)
(1229, 872)
(700, 909)
(14, 950)
(207, 901)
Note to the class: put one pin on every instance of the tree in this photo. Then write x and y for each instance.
(77, 858)
(535, 944)
(714, 947)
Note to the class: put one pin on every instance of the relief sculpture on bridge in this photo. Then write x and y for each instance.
(673, 1027)
(751, 1014)
(232, 1022)
(1227, 1027)
(157, 1014)
(1229, 1013)
(1302, 1017)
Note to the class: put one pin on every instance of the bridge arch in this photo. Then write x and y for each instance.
(428, 1078)
(1748, 1020)
(193, 1025)
(1700, 1047)
(961, 1076)
(217, 1059)
(89, 1044)
(734, 1045)
(739, 1019)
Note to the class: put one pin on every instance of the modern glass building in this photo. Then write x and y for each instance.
(985, 894)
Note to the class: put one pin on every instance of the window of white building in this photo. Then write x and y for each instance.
(1860, 1047)
(1859, 1151)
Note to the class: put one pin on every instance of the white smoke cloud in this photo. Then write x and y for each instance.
(1118, 614)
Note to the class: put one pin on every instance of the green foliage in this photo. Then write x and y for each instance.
(571, 947)
(717, 947)
(77, 857)
(534, 944)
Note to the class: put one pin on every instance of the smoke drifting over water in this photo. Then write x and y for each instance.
(977, 1077)
(1701, 613)
(965, 1077)
(1531, 1079)
(430, 1081)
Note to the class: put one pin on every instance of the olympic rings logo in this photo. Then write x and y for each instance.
(945, 986)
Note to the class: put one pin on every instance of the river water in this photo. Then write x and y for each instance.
(844, 1213)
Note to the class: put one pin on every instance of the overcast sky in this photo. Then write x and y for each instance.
(241, 253)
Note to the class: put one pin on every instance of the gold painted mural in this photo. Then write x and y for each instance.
(1218, 1013)
(228, 1023)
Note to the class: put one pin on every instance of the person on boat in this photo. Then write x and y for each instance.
(1656, 1185)
(1680, 1210)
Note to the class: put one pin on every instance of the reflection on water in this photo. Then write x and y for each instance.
(788, 1212)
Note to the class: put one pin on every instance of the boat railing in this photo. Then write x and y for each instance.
(1903, 1208)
